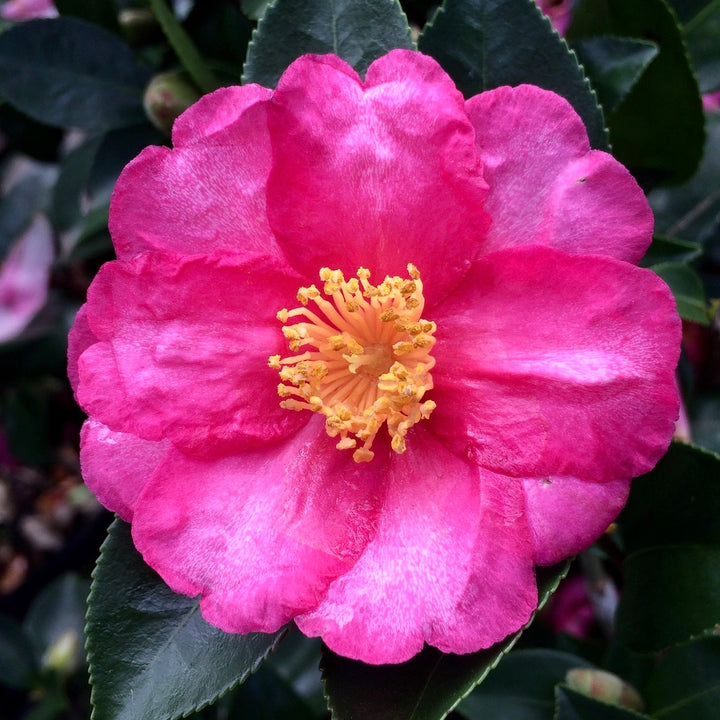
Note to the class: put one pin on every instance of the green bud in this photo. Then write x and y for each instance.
(139, 25)
(166, 97)
(63, 656)
(604, 686)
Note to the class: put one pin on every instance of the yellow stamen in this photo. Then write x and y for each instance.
(365, 361)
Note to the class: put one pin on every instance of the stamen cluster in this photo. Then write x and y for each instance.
(368, 361)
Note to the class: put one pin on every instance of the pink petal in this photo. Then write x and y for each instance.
(182, 351)
(215, 112)
(28, 9)
(450, 564)
(375, 175)
(260, 535)
(209, 193)
(546, 187)
(80, 338)
(117, 466)
(555, 364)
(24, 278)
(567, 515)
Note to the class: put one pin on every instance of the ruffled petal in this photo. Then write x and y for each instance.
(209, 193)
(566, 514)
(450, 564)
(546, 186)
(80, 338)
(216, 111)
(117, 466)
(182, 351)
(259, 535)
(555, 364)
(376, 175)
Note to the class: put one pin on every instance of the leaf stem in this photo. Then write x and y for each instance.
(695, 22)
(183, 46)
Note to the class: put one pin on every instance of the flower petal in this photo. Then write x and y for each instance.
(556, 364)
(450, 564)
(546, 186)
(260, 535)
(24, 278)
(376, 175)
(80, 338)
(216, 111)
(117, 466)
(208, 193)
(182, 350)
(566, 514)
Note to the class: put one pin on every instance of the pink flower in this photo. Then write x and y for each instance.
(439, 432)
(24, 278)
(711, 101)
(28, 9)
(559, 12)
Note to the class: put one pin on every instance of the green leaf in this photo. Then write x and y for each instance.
(255, 9)
(571, 705)
(522, 687)
(98, 12)
(184, 48)
(60, 608)
(424, 688)
(17, 664)
(356, 30)
(483, 44)
(701, 20)
(665, 249)
(614, 65)
(677, 502)
(671, 594)
(72, 181)
(686, 682)
(691, 211)
(657, 131)
(151, 654)
(688, 290)
(69, 73)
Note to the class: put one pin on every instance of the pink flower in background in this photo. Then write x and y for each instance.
(559, 12)
(28, 9)
(24, 278)
(370, 352)
(711, 101)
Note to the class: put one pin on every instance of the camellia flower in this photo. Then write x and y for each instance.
(370, 352)
(559, 12)
(28, 9)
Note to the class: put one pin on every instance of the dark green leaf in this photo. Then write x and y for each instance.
(151, 654)
(664, 249)
(69, 73)
(98, 12)
(687, 289)
(701, 19)
(686, 682)
(676, 503)
(690, 211)
(483, 44)
(255, 9)
(671, 594)
(705, 420)
(183, 46)
(614, 65)
(522, 687)
(74, 173)
(59, 609)
(657, 131)
(424, 688)
(17, 665)
(571, 705)
(355, 30)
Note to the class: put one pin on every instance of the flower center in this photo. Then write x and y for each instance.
(368, 360)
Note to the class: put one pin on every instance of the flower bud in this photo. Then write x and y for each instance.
(63, 655)
(604, 686)
(139, 25)
(167, 96)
